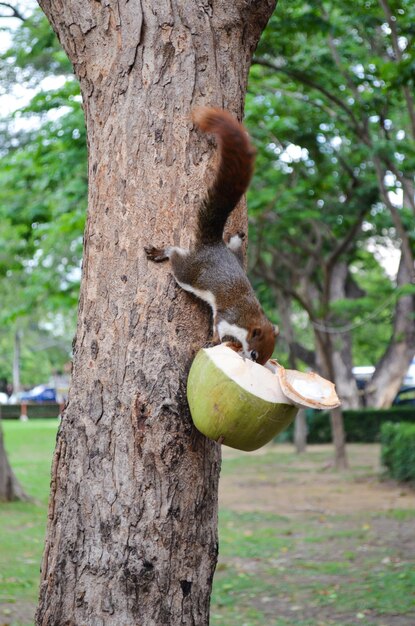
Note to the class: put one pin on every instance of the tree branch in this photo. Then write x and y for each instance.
(349, 238)
(302, 77)
(337, 60)
(304, 354)
(15, 12)
(359, 130)
(262, 270)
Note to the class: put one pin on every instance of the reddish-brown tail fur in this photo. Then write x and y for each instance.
(233, 176)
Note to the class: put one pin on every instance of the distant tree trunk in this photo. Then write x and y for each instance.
(325, 353)
(300, 432)
(325, 350)
(335, 349)
(16, 361)
(132, 533)
(300, 423)
(391, 369)
(340, 343)
(332, 359)
(10, 488)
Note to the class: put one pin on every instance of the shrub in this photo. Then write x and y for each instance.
(361, 426)
(13, 411)
(398, 450)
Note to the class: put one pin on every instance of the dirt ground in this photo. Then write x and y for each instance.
(307, 490)
(323, 491)
(302, 488)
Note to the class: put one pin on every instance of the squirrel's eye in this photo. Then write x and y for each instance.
(254, 355)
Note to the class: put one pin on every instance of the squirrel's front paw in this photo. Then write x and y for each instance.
(211, 344)
(155, 254)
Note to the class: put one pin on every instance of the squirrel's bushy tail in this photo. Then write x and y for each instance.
(234, 173)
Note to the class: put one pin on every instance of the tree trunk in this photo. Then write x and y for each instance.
(300, 432)
(16, 362)
(325, 352)
(132, 533)
(333, 355)
(10, 488)
(339, 439)
(392, 367)
(300, 423)
(340, 355)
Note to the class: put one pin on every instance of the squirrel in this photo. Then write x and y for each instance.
(213, 270)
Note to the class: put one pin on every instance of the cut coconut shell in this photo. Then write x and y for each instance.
(306, 389)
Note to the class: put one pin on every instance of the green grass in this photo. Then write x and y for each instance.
(273, 570)
(29, 446)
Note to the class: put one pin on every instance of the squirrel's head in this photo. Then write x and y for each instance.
(261, 342)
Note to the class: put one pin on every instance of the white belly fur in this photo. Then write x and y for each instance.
(241, 334)
(223, 328)
(203, 294)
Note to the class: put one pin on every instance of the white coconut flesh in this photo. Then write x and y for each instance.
(273, 382)
(250, 376)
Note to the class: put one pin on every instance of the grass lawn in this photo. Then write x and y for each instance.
(300, 545)
(30, 446)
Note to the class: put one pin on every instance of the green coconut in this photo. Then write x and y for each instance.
(242, 404)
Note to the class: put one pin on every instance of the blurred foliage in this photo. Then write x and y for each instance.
(43, 196)
(330, 105)
(45, 347)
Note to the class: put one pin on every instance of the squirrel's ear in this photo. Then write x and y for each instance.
(257, 332)
(276, 330)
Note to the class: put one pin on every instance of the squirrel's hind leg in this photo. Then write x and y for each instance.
(234, 244)
(158, 255)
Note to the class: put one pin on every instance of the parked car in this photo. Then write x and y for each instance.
(15, 398)
(406, 395)
(40, 393)
(363, 373)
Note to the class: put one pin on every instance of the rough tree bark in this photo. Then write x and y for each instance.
(132, 532)
(10, 488)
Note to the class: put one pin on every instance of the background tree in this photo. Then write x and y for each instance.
(132, 531)
(335, 117)
(10, 488)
